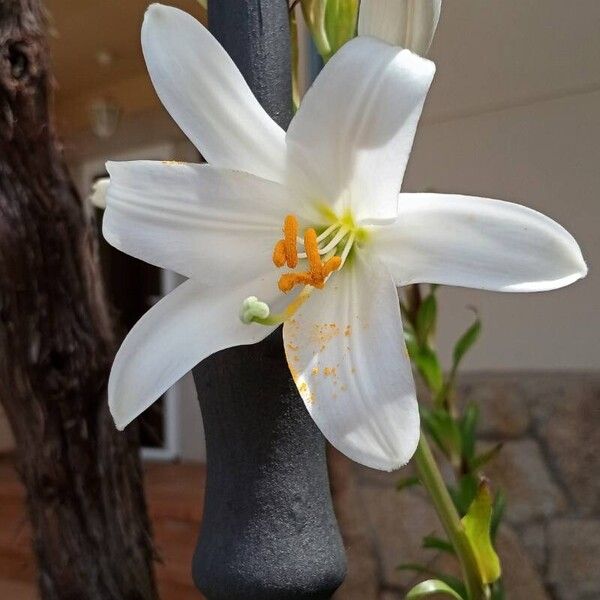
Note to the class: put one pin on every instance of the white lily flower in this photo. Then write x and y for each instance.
(349, 238)
(407, 23)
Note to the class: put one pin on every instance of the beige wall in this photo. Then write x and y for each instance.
(545, 155)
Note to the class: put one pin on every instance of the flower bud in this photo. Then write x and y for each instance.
(332, 23)
(407, 23)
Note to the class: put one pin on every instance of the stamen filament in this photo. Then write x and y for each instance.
(347, 249)
(335, 241)
(323, 236)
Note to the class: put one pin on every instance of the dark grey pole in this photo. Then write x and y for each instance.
(269, 531)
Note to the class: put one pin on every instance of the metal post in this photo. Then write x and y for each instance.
(269, 531)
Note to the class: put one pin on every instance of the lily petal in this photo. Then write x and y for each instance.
(185, 327)
(479, 243)
(352, 136)
(205, 93)
(346, 352)
(213, 224)
(407, 23)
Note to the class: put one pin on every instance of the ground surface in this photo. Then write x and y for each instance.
(550, 545)
(174, 494)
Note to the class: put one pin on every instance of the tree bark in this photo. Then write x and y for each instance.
(83, 478)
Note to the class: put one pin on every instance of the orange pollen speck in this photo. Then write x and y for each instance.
(285, 252)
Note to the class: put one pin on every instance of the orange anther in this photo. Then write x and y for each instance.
(290, 231)
(333, 264)
(311, 247)
(285, 252)
(288, 281)
(279, 258)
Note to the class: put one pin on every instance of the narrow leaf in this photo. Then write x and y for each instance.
(407, 483)
(483, 459)
(435, 543)
(468, 428)
(426, 318)
(431, 587)
(477, 525)
(498, 512)
(465, 343)
(452, 582)
(444, 430)
(430, 368)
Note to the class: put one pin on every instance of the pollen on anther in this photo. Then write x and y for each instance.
(290, 231)
(279, 254)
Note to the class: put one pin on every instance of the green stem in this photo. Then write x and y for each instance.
(431, 478)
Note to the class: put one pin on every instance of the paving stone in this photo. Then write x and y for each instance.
(574, 565)
(521, 579)
(572, 437)
(391, 595)
(399, 521)
(502, 410)
(521, 471)
(362, 581)
(534, 540)
(382, 478)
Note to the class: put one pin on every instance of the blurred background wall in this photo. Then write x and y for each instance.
(514, 114)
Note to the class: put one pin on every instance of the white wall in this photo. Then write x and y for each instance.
(545, 155)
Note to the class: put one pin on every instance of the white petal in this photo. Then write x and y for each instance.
(478, 243)
(407, 23)
(349, 143)
(208, 97)
(185, 327)
(212, 224)
(98, 192)
(346, 352)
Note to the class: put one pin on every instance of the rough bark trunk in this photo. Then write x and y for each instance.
(83, 478)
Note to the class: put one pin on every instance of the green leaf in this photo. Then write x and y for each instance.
(203, 4)
(477, 525)
(497, 591)
(465, 343)
(464, 494)
(435, 543)
(426, 318)
(498, 512)
(468, 428)
(431, 587)
(429, 367)
(452, 582)
(407, 483)
(443, 429)
(483, 459)
(411, 343)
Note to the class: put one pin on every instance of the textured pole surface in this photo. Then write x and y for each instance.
(269, 531)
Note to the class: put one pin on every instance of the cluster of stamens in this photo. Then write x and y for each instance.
(319, 251)
(321, 254)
